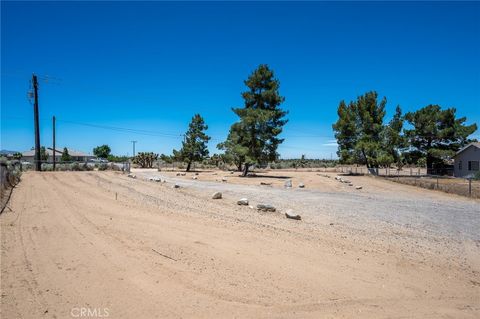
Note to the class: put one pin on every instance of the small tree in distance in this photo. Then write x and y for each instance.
(194, 146)
(65, 156)
(102, 151)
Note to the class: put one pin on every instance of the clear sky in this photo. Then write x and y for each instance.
(146, 68)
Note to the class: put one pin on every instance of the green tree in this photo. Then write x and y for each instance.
(102, 151)
(234, 151)
(393, 140)
(43, 154)
(436, 134)
(65, 156)
(194, 146)
(261, 119)
(17, 155)
(359, 129)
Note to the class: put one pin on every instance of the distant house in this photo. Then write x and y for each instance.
(77, 156)
(467, 160)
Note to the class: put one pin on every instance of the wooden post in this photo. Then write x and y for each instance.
(38, 162)
(54, 153)
(470, 187)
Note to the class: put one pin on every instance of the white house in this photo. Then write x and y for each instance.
(467, 160)
(77, 156)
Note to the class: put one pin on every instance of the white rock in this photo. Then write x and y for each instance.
(132, 175)
(224, 179)
(217, 195)
(242, 201)
(301, 185)
(195, 177)
(288, 183)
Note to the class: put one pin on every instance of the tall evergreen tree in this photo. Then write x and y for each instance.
(194, 146)
(393, 140)
(436, 134)
(261, 118)
(359, 130)
(65, 156)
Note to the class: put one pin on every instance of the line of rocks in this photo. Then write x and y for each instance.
(346, 181)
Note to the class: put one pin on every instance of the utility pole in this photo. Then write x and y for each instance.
(38, 163)
(54, 152)
(133, 143)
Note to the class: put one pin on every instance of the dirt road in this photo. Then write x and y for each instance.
(130, 248)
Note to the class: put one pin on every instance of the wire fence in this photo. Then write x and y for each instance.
(417, 176)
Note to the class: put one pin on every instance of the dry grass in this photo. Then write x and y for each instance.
(445, 184)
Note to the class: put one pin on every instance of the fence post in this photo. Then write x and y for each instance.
(437, 182)
(470, 187)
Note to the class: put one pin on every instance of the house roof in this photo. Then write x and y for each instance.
(474, 144)
(58, 152)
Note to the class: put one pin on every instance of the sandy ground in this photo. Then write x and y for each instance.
(132, 248)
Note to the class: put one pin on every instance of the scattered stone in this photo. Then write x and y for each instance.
(183, 174)
(242, 201)
(265, 183)
(331, 224)
(157, 179)
(196, 173)
(194, 177)
(288, 183)
(132, 175)
(291, 214)
(350, 184)
(358, 187)
(176, 186)
(266, 207)
(232, 172)
(251, 207)
(224, 179)
(217, 195)
(178, 174)
(301, 185)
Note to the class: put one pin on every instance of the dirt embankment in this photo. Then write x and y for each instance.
(141, 249)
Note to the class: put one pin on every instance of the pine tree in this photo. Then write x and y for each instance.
(194, 146)
(261, 119)
(359, 130)
(65, 156)
(235, 152)
(436, 134)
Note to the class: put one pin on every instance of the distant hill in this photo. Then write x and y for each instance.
(5, 152)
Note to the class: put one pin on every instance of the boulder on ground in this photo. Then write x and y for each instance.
(351, 184)
(358, 187)
(178, 174)
(224, 179)
(132, 175)
(266, 207)
(291, 214)
(176, 186)
(301, 185)
(194, 177)
(242, 201)
(217, 195)
(288, 183)
(157, 179)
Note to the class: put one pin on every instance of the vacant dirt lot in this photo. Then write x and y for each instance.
(141, 249)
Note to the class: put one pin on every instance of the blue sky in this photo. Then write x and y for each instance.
(150, 66)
